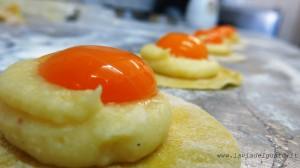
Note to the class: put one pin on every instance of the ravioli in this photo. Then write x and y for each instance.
(66, 110)
(194, 140)
(188, 74)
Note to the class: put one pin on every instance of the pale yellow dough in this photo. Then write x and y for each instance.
(195, 139)
(69, 128)
(187, 73)
(224, 78)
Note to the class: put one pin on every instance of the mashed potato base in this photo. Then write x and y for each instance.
(69, 128)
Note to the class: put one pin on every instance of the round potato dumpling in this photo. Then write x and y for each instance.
(72, 128)
(162, 62)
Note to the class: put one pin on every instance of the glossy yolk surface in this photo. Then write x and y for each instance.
(211, 36)
(225, 30)
(183, 45)
(123, 76)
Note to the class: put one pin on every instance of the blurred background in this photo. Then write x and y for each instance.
(272, 18)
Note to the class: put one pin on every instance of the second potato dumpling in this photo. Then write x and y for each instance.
(181, 61)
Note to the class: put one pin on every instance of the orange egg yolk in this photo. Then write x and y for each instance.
(210, 36)
(183, 45)
(226, 30)
(123, 76)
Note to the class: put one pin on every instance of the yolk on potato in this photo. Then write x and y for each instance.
(183, 45)
(123, 76)
(225, 30)
(210, 36)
